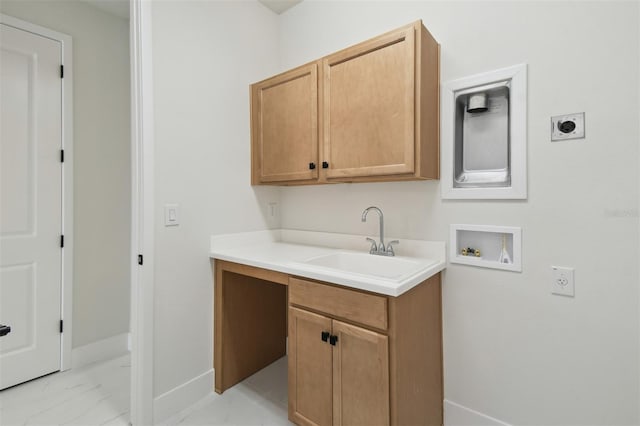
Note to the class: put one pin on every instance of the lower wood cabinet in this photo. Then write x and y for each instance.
(310, 369)
(338, 373)
(344, 371)
(355, 357)
(360, 376)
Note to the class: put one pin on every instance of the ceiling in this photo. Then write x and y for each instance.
(279, 6)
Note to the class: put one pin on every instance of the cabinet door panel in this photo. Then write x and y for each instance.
(360, 377)
(309, 369)
(285, 126)
(369, 93)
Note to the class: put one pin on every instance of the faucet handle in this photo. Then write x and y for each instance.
(390, 247)
(374, 246)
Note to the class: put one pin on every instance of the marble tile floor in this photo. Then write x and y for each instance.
(96, 394)
(258, 400)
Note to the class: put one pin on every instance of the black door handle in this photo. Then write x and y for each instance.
(4, 330)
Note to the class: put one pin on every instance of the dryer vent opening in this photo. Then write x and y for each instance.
(477, 102)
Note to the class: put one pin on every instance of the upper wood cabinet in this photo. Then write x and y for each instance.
(284, 127)
(376, 115)
(369, 107)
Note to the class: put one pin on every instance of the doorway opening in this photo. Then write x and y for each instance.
(66, 77)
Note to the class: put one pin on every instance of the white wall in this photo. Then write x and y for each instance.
(512, 350)
(205, 56)
(101, 163)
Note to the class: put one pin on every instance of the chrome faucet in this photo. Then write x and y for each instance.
(380, 248)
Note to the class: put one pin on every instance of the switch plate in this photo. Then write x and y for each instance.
(562, 281)
(568, 126)
(171, 216)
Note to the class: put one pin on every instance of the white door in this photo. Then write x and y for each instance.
(30, 205)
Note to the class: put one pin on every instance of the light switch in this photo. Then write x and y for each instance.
(171, 217)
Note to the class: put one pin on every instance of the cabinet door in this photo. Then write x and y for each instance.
(309, 369)
(284, 125)
(369, 93)
(360, 377)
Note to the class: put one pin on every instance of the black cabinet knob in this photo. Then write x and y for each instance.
(325, 336)
(5, 329)
(312, 166)
(325, 165)
(333, 340)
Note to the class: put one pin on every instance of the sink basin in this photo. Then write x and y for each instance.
(367, 264)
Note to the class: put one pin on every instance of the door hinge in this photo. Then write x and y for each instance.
(61, 241)
(61, 326)
(62, 155)
(61, 71)
(140, 259)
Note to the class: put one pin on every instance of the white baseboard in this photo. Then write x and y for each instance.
(459, 415)
(101, 350)
(181, 397)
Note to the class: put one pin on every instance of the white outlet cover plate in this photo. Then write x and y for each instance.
(562, 281)
(578, 132)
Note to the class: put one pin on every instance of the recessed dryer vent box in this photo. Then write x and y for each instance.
(486, 246)
(484, 136)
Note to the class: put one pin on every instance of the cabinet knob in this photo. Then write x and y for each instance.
(333, 340)
(312, 166)
(325, 165)
(325, 336)
(5, 329)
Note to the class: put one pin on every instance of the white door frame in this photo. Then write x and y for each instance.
(66, 300)
(142, 220)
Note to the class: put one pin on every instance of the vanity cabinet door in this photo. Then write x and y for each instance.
(369, 107)
(338, 373)
(360, 376)
(310, 375)
(284, 127)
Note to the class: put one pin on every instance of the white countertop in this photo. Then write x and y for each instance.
(287, 251)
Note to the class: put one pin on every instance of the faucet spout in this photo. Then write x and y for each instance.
(381, 246)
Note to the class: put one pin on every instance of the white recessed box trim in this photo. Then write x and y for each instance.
(516, 76)
(488, 239)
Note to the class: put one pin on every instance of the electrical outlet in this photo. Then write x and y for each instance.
(273, 210)
(562, 281)
(569, 126)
